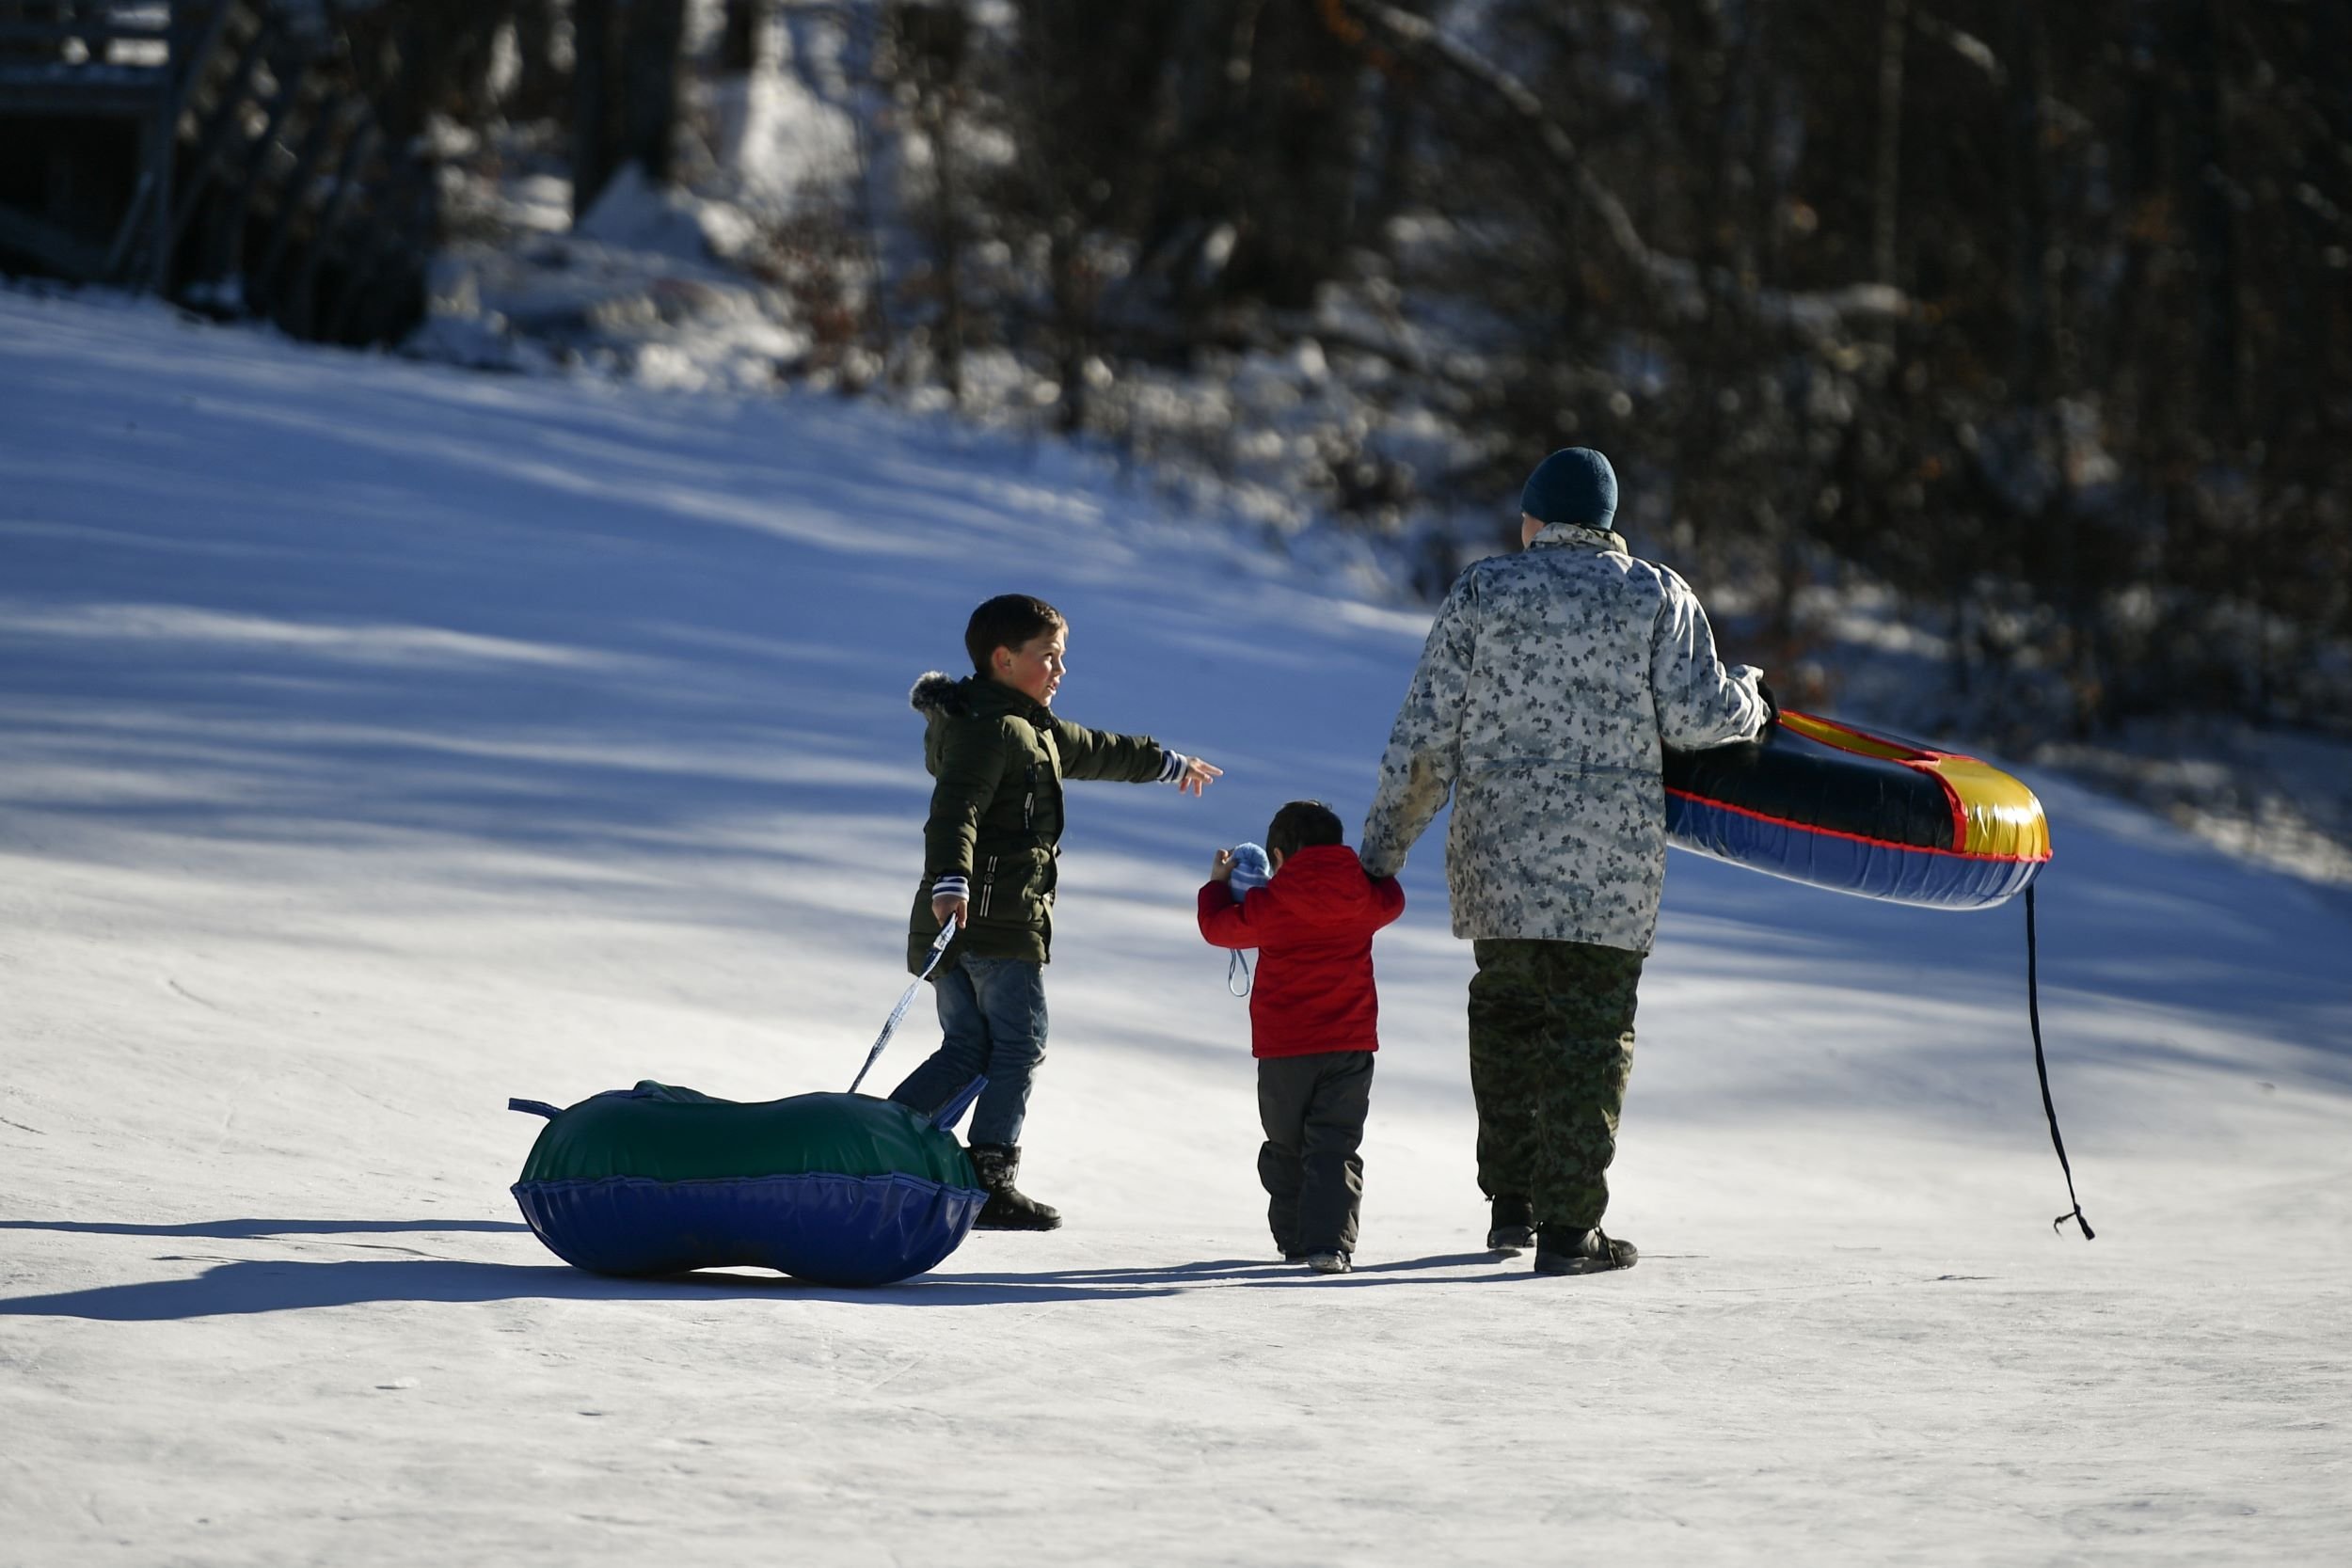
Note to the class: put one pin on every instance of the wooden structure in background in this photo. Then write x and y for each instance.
(226, 154)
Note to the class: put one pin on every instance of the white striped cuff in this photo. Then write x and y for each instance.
(951, 886)
(1172, 765)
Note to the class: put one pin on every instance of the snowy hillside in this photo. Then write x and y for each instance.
(378, 742)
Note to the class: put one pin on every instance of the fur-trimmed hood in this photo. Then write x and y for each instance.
(937, 692)
(939, 696)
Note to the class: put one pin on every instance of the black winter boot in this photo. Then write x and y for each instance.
(1514, 1225)
(1581, 1252)
(1008, 1208)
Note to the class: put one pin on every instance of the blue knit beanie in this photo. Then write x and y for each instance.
(1575, 485)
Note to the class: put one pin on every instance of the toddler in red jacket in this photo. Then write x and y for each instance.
(1313, 1022)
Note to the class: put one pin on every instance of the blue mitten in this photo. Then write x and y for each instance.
(1251, 870)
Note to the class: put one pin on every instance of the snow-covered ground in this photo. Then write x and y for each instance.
(380, 741)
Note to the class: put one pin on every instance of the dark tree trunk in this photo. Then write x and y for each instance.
(1887, 183)
(2215, 245)
(656, 32)
(739, 38)
(593, 147)
(538, 85)
(1073, 311)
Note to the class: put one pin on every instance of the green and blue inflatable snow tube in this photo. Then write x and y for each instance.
(836, 1189)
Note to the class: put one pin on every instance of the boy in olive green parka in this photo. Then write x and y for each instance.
(999, 756)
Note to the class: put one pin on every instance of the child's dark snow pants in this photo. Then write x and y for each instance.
(1312, 1109)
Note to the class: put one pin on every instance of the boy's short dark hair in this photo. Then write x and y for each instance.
(1007, 620)
(1303, 825)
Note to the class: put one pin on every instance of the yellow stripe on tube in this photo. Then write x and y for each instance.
(1999, 815)
(1846, 739)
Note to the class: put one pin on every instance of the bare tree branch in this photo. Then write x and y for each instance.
(1674, 281)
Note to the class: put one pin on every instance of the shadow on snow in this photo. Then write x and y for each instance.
(253, 1286)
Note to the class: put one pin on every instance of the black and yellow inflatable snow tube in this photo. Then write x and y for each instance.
(1836, 807)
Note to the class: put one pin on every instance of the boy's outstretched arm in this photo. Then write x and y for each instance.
(1127, 759)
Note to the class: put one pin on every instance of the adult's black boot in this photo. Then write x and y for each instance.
(1513, 1227)
(1008, 1207)
(1559, 1250)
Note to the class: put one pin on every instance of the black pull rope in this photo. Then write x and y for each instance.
(2042, 1067)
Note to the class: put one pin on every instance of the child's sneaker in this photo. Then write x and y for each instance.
(1581, 1252)
(1329, 1263)
(1513, 1227)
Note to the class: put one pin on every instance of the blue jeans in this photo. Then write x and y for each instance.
(992, 1023)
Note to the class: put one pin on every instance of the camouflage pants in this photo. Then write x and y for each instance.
(1550, 1048)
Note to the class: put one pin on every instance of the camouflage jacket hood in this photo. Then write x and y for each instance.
(1550, 681)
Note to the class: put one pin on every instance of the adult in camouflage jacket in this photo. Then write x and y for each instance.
(1549, 685)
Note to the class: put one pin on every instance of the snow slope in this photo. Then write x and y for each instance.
(377, 741)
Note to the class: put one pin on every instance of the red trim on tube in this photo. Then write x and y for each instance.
(1951, 798)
